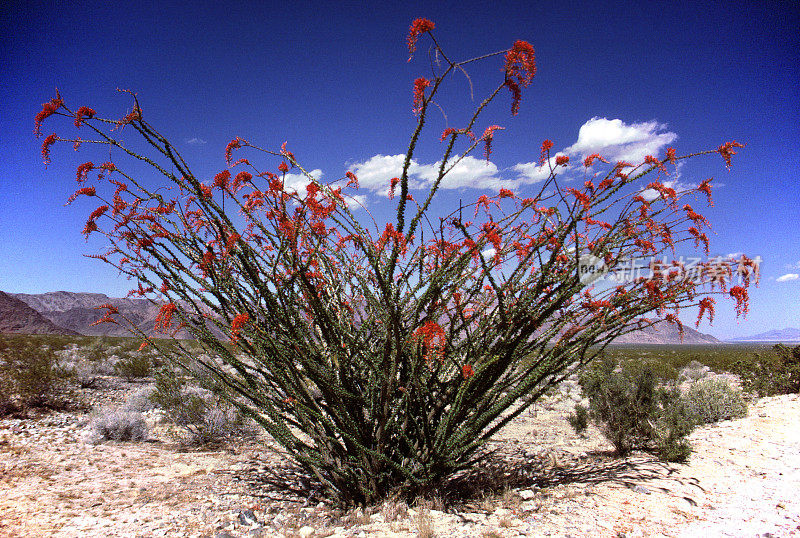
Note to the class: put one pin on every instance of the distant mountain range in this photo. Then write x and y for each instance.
(666, 333)
(77, 312)
(18, 317)
(63, 312)
(788, 334)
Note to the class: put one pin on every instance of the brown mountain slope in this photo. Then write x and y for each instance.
(666, 333)
(18, 317)
(79, 312)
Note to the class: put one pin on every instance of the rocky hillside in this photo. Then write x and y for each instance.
(78, 311)
(666, 333)
(18, 317)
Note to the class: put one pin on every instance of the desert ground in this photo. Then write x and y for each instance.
(545, 480)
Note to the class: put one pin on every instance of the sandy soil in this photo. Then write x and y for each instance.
(741, 480)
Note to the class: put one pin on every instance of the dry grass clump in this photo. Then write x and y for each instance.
(118, 425)
(714, 399)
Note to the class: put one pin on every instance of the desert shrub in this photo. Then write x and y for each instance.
(133, 365)
(31, 370)
(694, 371)
(205, 418)
(141, 400)
(635, 408)
(385, 354)
(579, 419)
(118, 425)
(714, 399)
(772, 373)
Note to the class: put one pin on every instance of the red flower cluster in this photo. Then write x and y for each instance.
(520, 68)
(48, 109)
(236, 325)
(588, 161)
(236, 143)
(419, 94)
(392, 184)
(83, 171)
(706, 304)
(487, 137)
(49, 141)
(705, 187)
(547, 145)
(83, 112)
(467, 371)
(418, 27)
(433, 339)
(164, 317)
(727, 151)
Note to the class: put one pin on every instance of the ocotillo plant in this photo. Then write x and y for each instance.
(383, 356)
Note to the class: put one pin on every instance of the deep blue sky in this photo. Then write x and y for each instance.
(332, 79)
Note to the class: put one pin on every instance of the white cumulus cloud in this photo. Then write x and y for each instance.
(616, 140)
(534, 172)
(299, 182)
(376, 173)
(787, 277)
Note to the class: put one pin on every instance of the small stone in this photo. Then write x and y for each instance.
(527, 494)
(306, 531)
(247, 517)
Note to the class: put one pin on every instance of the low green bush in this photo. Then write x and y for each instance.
(30, 371)
(133, 365)
(767, 374)
(205, 418)
(579, 420)
(637, 405)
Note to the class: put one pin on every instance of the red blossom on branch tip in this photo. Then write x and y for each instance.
(392, 184)
(727, 151)
(241, 178)
(49, 141)
(505, 193)
(433, 339)
(467, 371)
(352, 180)
(520, 68)
(164, 317)
(417, 28)
(83, 112)
(84, 191)
(562, 160)
(48, 109)
(133, 115)
(487, 138)
(221, 179)
(649, 159)
(83, 171)
(547, 145)
(283, 167)
(742, 300)
(419, 94)
(670, 155)
(706, 305)
(589, 161)
(236, 143)
(705, 187)
(236, 325)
